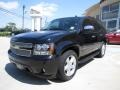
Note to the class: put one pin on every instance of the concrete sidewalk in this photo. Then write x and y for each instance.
(98, 74)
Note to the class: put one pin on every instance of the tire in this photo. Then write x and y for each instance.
(68, 65)
(102, 50)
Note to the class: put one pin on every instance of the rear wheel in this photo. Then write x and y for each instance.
(102, 50)
(68, 65)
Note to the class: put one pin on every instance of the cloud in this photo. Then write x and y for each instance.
(9, 5)
(45, 9)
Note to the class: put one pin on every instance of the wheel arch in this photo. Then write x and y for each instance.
(74, 48)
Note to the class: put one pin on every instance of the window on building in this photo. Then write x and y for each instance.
(112, 24)
(109, 15)
(110, 11)
(114, 7)
(105, 9)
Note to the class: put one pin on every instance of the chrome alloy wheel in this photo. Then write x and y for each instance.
(103, 49)
(70, 65)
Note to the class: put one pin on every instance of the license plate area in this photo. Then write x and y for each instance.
(19, 66)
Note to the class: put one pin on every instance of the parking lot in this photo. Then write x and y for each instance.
(98, 74)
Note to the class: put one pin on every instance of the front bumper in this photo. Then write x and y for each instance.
(41, 66)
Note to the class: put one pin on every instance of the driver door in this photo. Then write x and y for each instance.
(89, 36)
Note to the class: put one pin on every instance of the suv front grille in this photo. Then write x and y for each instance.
(21, 49)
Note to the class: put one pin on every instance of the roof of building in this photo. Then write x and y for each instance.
(94, 6)
(102, 1)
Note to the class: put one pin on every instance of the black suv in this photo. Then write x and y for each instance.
(57, 49)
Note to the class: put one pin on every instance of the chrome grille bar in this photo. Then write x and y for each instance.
(22, 45)
(21, 49)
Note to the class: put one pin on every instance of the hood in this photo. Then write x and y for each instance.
(41, 37)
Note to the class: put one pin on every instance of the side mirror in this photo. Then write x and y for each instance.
(72, 28)
(88, 27)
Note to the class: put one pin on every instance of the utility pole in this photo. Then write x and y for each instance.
(23, 17)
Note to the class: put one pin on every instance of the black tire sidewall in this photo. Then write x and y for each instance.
(63, 58)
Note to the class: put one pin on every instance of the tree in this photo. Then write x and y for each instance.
(10, 27)
(1, 29)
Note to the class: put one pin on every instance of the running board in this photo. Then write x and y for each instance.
(88, 57)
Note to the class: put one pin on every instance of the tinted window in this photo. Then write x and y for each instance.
(88, 23)
(97, 26)
(54, 25)
(67, 24)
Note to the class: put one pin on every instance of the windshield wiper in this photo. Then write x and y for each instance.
(45, 29)
(55, 29)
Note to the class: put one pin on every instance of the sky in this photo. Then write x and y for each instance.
(51, 9)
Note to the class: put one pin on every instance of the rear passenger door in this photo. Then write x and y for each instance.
(100, 34)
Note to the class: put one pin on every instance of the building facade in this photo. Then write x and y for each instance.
(93, 11)
(108, 11)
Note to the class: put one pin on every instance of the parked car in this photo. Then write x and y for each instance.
(57, 50)
(113, 37)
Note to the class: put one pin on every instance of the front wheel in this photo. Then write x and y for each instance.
(68, 65)
(102, 50)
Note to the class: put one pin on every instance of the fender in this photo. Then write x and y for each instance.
(62, 46)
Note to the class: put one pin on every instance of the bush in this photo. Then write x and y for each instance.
(5, 33)
(19, 32)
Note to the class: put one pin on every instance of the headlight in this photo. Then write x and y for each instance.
(44, 49)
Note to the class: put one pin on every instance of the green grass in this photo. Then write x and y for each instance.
(5, 33)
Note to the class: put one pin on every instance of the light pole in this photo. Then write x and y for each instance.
(23, 17)
(40, 23)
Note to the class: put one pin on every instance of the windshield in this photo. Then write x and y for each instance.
(118, 31)
(67, 24)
